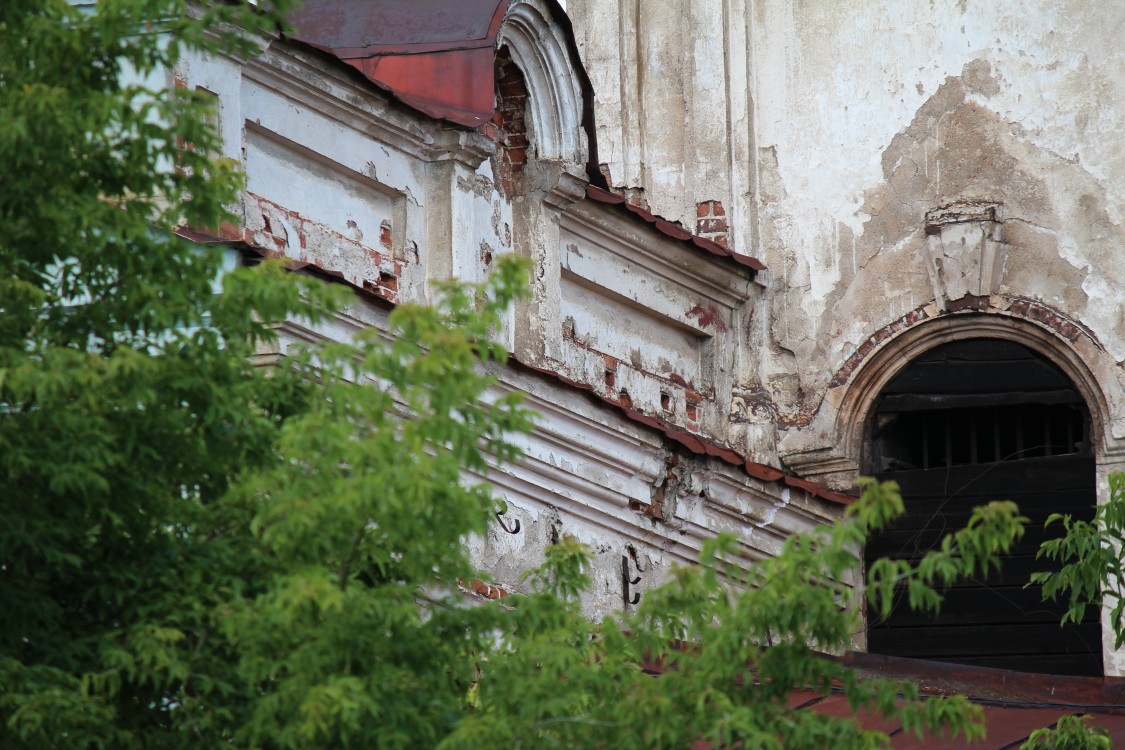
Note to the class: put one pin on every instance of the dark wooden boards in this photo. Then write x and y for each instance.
(992, 620)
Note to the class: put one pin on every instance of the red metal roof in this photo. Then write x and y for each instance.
(1015, 703)
(435, 55)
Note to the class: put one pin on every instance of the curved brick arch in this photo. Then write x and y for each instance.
(831, 446)
(1046, 332)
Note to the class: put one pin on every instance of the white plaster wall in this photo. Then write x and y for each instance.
(835, 82)
(828, 128)
(851, 119)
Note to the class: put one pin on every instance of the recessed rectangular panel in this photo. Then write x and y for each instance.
(320, 191)
(609, 323)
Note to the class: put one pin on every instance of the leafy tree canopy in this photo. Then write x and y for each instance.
(198, 552)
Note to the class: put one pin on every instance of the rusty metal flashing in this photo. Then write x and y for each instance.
(1015, 703)
(694, 442)
(691, 441)
(675, 231)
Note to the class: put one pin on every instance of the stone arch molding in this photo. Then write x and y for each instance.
(540, 50)
(833, 446)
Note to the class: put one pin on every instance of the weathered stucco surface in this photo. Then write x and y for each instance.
(629, 347)
(910, 172)
(855, 119)
(829, 131)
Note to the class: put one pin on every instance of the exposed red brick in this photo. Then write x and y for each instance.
(631, 201)
(679, 380)
(1022, 308)
(510, 119)
(870, 343)
(385, 233)
(489, 130)
(711, 223)
(482, 589)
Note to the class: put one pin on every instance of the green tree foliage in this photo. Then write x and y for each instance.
(197, 552)
(1090, 553)
(735, 646)
(1091, 574)
(1070, 733)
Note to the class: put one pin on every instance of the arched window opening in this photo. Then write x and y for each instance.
(966, 423)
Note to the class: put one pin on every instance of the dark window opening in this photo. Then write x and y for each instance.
(936, 438)
(967, 423)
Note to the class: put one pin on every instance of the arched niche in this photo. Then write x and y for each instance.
(967, 422)
(540, 49)
(545, 180)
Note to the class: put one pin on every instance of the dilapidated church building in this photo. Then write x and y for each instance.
(776, 245)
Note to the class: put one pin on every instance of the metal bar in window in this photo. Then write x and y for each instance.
(995, 435)
(948, 441)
